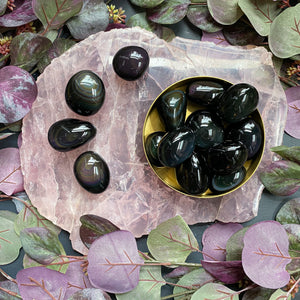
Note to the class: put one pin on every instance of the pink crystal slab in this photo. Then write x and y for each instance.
(136, 199)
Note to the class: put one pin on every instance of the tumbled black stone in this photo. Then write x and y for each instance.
(85, 93)
(171, 107)
(92, 172)
(131, 62)
(151, 145)
(68, 134)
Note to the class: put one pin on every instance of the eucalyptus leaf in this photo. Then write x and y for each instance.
(196, 279)
(10, 286)
(172, 241)
(258, 293)
(22, 196)
(224, 12)
(200, 16)
(290, 153)
(169, 12)
(280, 294)
(9, 242)
(281, 177)
(235, 244)
(167, 34)
(150, 284)
(215, 37)
(53, 14)
(27, 48)
(93, 17)
(41, 244)
(3, 6)
(30, 217)
(289, 213)
(146, 3)
(211, 291)
(260, 13)
(89, 294)
(284, 39)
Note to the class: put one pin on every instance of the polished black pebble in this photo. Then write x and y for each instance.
(249, 133)
(68, 134)
(207, 128)
(225, 183)
(131, 62)
(172, 109)
(237, 102)
(204, 92)
(191, 175)
(151, 145)
(85, 93)
(91, 172)
(176, 146)
(227, 157)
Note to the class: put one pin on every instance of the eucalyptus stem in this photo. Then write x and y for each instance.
(10, 293)
(288, 81)
(9, 125)
(166, 264)
(4, 57)
(178, 294)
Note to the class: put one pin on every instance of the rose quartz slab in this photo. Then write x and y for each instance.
(136, 199)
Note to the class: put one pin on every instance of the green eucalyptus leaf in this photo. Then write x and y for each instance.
(258, 293)
(289, 213)
(260, 13)
(280, 294)
(9, 241)
(289, 153)
(284, 39)
(3, 6)
(167, 34)
(93, 17)
(146, 3)
(212, 291)
(200, 16)
(235, 244)
(53, 14)
(40, 244)
(27, 48)
(10, 286)
(30, 217)
(150, 284)
(224, 12)
(52, 35)
(172, 241)
(195, 278)
(58, 47)
(169, 12)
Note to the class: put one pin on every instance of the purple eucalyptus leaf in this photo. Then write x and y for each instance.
(115, 26)
(199, 16)
(179, 271)
(292, 126)
(225, 271)
(41, 283)
(89, 294)
(11, 177)
(289, 213)
(169, 12)
(114, 262)
(93, 17)
(18, 91)
(292, 94)
(281, 177)
(214, 240)
(215, 37)
(22, 14)
(93, 226)
(76, 278)
(53, 14)
(41, 244)
(10, 286)
(289, 153)
(27, 49)
(265, 254)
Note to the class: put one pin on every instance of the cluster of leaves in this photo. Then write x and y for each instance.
(282, 177)
(263, 258)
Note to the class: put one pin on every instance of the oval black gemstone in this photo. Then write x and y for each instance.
(151, 145)
(68, 134)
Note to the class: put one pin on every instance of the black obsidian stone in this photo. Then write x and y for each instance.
(131, 62)
(172, 109)
(91, 172)
(227, 157)
(68, 134)
(151, 145)
(85, 93)
(192, 176)
(236, 103)
(176, 146)
(207, 128)
(249, 133)
(204, 92)
(224, 183)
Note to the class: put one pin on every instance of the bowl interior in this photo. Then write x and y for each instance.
(153, 123)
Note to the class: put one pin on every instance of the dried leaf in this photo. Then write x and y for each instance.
(172, 241)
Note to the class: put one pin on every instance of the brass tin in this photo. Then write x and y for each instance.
(153, 123)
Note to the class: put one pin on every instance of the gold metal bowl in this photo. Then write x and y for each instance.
(153, 123)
